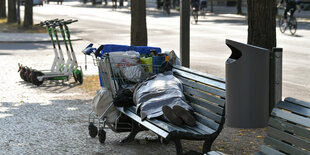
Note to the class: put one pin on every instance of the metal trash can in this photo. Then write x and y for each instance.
(247, 86)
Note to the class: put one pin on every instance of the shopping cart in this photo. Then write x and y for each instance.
(117, 73)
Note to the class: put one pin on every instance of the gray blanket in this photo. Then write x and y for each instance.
(163, 89)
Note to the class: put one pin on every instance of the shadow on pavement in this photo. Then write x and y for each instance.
(24, 46)
(52, 86)
(5, 54)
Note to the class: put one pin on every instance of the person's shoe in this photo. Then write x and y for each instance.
(171, 116)
(186, 116)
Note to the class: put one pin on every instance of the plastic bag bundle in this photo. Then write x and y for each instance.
(133, 73)
(102, 102)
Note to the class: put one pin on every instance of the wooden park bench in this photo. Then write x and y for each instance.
(206, 94)
(288, 129)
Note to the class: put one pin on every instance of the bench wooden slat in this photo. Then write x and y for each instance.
(205, 75)
(205, 96)
(284, 147)
(212, 107)
(215, 153)
(296, 101)
(173, 128)
(294, 108)
(202, 87)
(207, 122)
(206, 112)
(290, 127)
(147, 124)
(198, 78)
(205, 128)
(268, 150)
(283, 136)
(291, 117)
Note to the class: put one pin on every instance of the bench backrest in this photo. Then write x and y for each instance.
(288, 129)
(206, 95)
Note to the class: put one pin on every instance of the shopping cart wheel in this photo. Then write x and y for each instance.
(93, 130)
(101, 135)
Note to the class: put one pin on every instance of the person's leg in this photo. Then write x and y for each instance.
(285, 15)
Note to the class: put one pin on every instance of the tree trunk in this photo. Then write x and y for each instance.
(262, 23)
(28, 18)
(12, 16)
(2, 9)
(138, 23)
(239, 7)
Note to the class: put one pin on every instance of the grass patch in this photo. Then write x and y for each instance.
(15, 28)
(91, 83)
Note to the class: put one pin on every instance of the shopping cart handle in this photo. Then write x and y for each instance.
(98, 50)
(88, 50)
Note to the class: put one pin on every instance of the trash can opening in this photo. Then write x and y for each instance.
(235, 54)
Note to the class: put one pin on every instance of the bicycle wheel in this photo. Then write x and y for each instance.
(281, 25)
(195, 15)
(204, 11)
(293, 26)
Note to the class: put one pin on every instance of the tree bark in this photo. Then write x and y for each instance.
(138, 23)
(28, 18)
(262, 23)
(239, 7)
(2, 9)
(12, 16)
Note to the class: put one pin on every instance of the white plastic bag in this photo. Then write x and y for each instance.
(102, 102)
(122, 59)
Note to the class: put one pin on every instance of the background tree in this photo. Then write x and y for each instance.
(28, 18)
(12, 16)
(138, 23)
(262, 23)
(239, 7)
(2, 9)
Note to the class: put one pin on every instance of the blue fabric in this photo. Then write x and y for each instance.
(143, 50)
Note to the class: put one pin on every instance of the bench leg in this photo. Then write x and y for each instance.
(178, 146)
(134, 131)
(207, 146)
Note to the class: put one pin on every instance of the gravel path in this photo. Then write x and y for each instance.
(53, 118)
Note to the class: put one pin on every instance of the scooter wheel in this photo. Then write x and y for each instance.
(102, 135)
(79, 77)
(27, 71)
(28, 75)
(21, 73)
(74, 77)
(34, 78)
(92, 130)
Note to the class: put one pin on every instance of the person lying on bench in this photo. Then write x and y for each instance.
(161, 96)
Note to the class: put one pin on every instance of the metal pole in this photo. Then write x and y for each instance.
(212, 6)
(184, 32)
(18, 12)
(275, 77)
